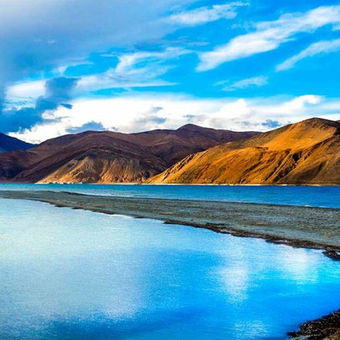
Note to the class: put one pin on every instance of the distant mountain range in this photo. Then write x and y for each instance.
(307, 152)
(110, 157)
(8, 143)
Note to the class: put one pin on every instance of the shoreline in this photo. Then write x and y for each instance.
(326, 327)
(183, 184)
(191, 184)
(296, 226)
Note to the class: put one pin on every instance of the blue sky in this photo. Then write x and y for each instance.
(132, 65)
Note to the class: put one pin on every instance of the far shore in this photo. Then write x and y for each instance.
(183, 184)
(307, 227)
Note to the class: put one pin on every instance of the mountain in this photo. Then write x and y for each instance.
(8, 143)
(307, 152)
(110, 157)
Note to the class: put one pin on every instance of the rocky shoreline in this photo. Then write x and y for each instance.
(327, 327)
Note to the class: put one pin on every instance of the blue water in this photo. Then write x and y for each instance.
(316, 196)
(72, 274)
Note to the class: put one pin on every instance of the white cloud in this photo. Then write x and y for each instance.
(139, 69)
(206, 14)
(169, 111)
(128, 61)
(246, 83)
(321, 47)
(146, 77)
(269, 35)
(26, 92)
(27, 89)
(48, 34)
(127, 74)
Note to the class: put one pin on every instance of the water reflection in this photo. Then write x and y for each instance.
(74, 274)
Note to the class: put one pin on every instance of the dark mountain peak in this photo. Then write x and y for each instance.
(8, 143)
(192, 127)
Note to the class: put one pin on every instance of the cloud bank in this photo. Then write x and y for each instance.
(140, 113)
(131, 65)
(58, 92)
(38, 35)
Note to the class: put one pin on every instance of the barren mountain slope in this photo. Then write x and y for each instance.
(307, 152)
(109, 157)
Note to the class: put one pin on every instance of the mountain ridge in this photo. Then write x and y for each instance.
(109, 157)
(306, 152)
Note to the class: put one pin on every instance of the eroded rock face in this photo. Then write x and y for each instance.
(326, 328)
(110, 157)
(307, 152)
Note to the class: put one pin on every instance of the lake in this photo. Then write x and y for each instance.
(315, 196)
(73, 274)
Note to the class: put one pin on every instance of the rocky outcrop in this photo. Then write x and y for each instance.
(325, 328)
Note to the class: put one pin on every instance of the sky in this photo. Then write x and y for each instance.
(68, 66)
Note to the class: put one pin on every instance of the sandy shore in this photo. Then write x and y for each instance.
(308, 227)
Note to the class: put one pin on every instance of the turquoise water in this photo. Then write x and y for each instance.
(72, 274)
(317, 196)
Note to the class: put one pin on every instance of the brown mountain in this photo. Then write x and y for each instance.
(8, 143)
(110, 157)
(307, 152)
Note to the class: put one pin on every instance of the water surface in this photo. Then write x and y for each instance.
(316, 196)
(72, 274)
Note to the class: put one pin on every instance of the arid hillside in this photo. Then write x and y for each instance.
(307, 152)
(109, 157)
